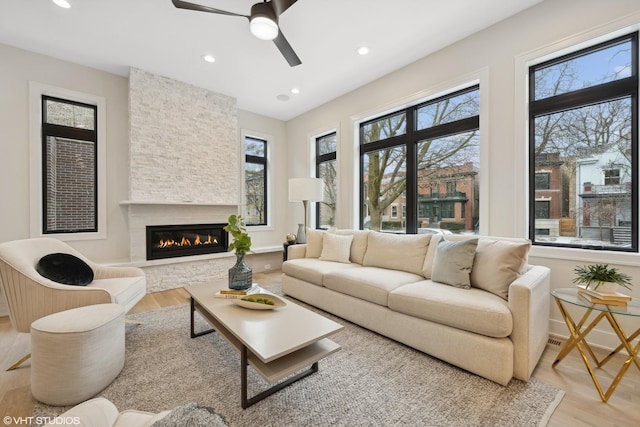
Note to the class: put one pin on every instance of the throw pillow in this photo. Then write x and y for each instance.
(336, 248)
(498, 263)
(359, 244)
(314, 243)
(65, 268)
(453, 262)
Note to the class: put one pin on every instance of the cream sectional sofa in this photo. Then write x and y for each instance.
(494, 325)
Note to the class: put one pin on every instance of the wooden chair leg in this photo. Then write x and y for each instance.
(19, 362)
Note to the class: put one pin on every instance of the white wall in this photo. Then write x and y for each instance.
(497, 58)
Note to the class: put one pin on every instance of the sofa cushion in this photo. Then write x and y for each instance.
(453, 261)
(336, 248)
(359, 244)
(125, 291)
(498, 263)
(314, 243)
(472, 310)
(368, 283)
(312, 270)
(397, 251)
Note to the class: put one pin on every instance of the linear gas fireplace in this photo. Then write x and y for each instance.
(170, 241)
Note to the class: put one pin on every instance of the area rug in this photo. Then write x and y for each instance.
(371, 381)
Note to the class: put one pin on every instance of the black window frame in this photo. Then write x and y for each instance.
(61, 131)
(599, 93)
(410, 140)
(259, 160)
(320, 159)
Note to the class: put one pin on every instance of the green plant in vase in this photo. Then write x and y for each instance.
(601, 277)
(240, 275)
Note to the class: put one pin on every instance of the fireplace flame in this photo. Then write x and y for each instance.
(184, 241)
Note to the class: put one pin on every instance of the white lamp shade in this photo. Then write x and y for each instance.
(309, 189)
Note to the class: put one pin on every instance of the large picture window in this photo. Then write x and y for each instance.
(69, 166)
(255, 180)
(326, 170)
(583, 140)
(425, 158)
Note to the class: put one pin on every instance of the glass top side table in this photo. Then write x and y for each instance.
(578, 332)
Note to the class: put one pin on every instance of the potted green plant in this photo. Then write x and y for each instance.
(601, 277)
(240, 275)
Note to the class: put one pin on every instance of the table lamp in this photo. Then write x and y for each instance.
(305, 190)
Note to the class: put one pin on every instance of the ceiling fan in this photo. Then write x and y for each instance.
(263, 22)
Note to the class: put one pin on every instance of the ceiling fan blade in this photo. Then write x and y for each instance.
(279, 6)
(286, 50)
(192, 6)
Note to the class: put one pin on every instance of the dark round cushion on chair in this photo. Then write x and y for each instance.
(65, 268)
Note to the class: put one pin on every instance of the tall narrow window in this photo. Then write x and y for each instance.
(326, 170)
(583, 124)
(427, 158)
(255, 180)
(69, 166)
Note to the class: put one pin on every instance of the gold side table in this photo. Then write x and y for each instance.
(578, 333)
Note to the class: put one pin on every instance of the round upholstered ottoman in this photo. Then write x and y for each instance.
(76, 353)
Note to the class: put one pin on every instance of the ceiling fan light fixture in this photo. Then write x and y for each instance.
(62, 3)
(263, 23)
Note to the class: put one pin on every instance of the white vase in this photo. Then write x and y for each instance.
(606, 287)
(302, 234)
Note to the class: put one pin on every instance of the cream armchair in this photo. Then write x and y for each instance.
(31, 296)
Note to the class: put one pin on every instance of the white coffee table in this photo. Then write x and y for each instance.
(276, 343)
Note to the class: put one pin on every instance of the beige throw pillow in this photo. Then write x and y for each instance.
(314, 243)
(498, 263)
(453, 262)
(336, 248)
(359, 244)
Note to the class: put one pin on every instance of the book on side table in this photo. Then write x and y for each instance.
(235, 293)
(597, 297)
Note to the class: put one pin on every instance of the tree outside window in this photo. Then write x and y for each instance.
(424, 157)
(326, 170)
(255, 180)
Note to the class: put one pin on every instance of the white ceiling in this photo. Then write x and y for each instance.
(154, 36)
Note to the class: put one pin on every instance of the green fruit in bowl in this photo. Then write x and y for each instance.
(259, 300)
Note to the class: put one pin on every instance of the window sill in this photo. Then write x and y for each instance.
(585, 255)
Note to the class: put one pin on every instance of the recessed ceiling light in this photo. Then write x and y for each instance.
(62, 3)
(295, 90)
(363, 50)
(283, 97)
(209, 58)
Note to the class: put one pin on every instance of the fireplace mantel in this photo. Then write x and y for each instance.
(173, 203)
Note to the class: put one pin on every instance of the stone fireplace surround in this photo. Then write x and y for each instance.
(184, 168)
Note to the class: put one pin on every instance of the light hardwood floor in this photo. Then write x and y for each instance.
(581, 405)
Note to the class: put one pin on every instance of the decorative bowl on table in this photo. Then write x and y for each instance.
(260, 302)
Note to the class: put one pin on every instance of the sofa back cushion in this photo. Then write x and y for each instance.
(359, 244)
(498, 263)
(314, 243)
(397, 252)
